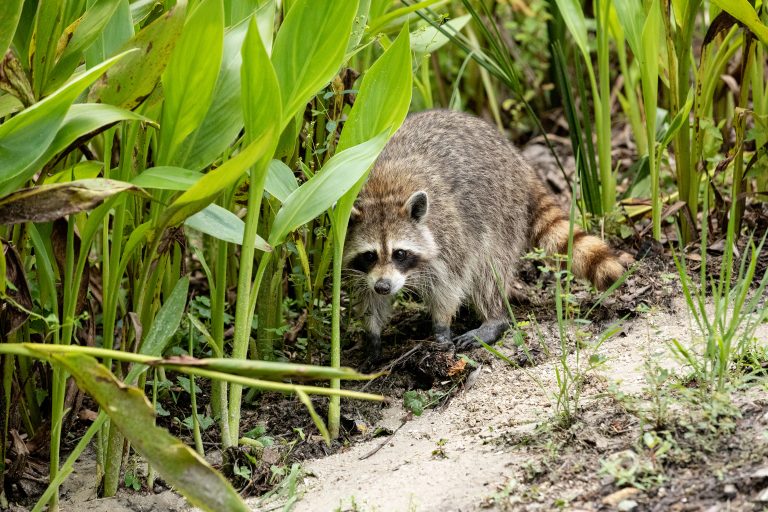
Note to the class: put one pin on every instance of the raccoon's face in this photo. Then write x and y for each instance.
(389, 243)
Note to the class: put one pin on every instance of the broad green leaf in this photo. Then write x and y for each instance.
(87, 169)
(573, 16)
(130, 82)
(207, 188)
(382, 104)
(9, 104)
(224, 119)
(280, 180)
(82, 119)
(163, 327)
(428, 38)
(309, 49)
(10, 12)
(649, 65)
(49, 25)
(141, 9)
(261, 91)
(681, 120)
(222, 224)
(27, 136)
(631, 17)
(89, 28)
(117, 32)
(318, 194)
(130, 411)
(384, 97)
(269, 370)
(138, 235)
(49, 202)
(167, 178)
(745, 13)
(358, 25)
(190, 78)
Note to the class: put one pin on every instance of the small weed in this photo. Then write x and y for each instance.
(439, 452)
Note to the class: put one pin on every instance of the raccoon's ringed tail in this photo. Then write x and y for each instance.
(592, 258)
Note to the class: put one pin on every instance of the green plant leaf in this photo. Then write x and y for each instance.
(316, 419)
(133, 79)
(89, 28)
(631, 17)
(27, 136)
(10, 12)
(309, 49)
(381, 104)
(222, 224)
(190, 78)
(49, 202)
(261, 90)
(270, 370)
(117, 32)
(280, 180)
(384, 97)
(680, 120)
(224, 119)
(163, 327)
(82, 119)
(318, 194)
(745, 13)
(573, 16)
(130, 411)
(207, 188)
(428, 38)
(166, 177)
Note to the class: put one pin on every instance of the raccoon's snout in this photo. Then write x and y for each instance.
(383, 287)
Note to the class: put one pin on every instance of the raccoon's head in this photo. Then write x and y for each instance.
(389, 241)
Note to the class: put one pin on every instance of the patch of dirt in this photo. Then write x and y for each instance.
(495, 446)
(489, 441)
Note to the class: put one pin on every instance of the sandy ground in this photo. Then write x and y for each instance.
(455, 459)
(404, 475)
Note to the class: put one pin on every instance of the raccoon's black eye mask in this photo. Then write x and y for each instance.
(364, 261)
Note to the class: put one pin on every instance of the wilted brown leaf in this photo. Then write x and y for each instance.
(49, 202)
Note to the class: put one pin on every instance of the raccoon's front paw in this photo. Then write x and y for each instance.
(443, 340)
(467, 341)
(371, 364)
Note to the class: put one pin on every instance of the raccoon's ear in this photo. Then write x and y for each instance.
(355, 214)
(417, 205)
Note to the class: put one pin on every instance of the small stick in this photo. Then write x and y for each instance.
(405, 420)
(394, 363)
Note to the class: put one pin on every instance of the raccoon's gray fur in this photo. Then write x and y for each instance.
(449, 200)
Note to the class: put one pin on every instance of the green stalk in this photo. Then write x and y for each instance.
(218, 301)
(603, 107)
(334, 408)
(193, 399)
(246, 294)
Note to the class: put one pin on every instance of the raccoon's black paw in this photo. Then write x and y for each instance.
(489, 332)
(371, 364)
(466, 341)
(443, 341)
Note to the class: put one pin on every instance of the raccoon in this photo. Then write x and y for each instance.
(449, 206)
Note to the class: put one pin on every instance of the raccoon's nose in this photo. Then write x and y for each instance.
(383, 286)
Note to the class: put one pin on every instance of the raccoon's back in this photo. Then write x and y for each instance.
(477, 184)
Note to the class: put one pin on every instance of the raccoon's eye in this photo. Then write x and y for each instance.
(369, 256)
(399, 255)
